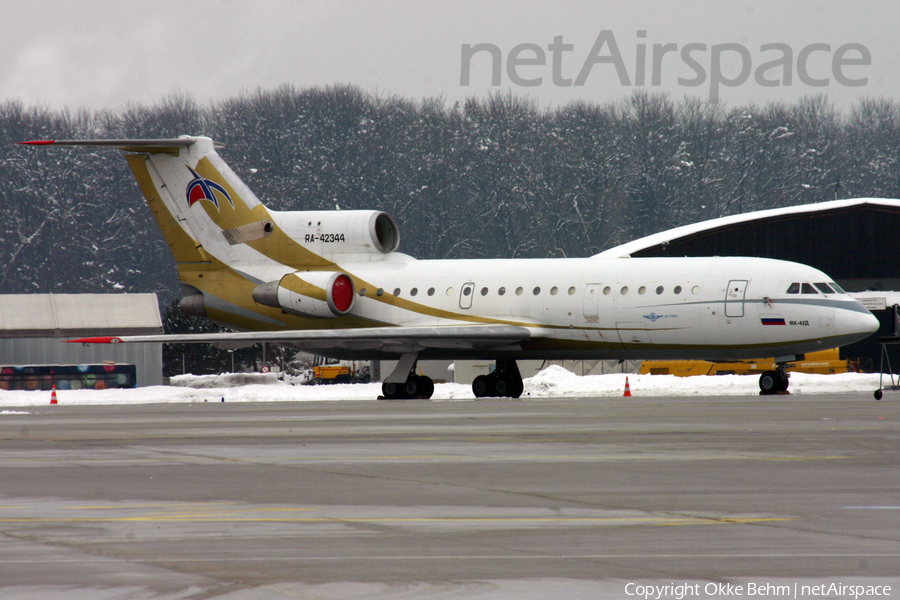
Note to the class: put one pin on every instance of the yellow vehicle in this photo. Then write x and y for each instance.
(329, 370)
(823, 362)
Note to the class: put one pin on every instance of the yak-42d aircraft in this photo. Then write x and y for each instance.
(332, 283)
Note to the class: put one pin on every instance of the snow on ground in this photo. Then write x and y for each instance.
(553, 382)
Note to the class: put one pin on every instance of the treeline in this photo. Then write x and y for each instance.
(493, 177)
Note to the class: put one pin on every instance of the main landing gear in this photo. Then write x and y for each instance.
(504, 382)
(416, 387)
(774, 382)
(404, 384)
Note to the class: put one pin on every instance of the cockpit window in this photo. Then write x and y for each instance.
(794, 289)
(807, 288)
(824, 288)
(836, 287)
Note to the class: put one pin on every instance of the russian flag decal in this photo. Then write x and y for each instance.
(773, 321)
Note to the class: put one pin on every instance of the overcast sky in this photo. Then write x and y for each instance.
(64, 53)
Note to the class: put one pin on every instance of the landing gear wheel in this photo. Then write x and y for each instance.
(412, 387)
(508, 372)
(878, 394)
(501, 386)
(768, 383)
(774, 382)
(424, 387)
(392, 391)
(428, 387)
(482, 387)
(782, 381)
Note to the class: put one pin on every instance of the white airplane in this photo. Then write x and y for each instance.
(333, 283)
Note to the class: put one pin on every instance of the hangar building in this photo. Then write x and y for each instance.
(856, 242)
(34, 327)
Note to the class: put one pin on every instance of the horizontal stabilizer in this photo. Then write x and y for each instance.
(129, 145)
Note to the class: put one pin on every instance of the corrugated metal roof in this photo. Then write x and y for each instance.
(42, 315)
(671, 235)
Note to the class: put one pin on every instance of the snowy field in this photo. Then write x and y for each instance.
(553, 382)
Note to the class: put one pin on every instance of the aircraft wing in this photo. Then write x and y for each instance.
(388, 339)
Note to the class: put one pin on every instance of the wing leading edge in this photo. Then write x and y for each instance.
(391, 339)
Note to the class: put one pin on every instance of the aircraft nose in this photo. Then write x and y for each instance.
(856, 322)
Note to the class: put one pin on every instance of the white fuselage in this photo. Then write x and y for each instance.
(711, 308)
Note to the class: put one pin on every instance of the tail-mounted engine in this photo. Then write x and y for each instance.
(309, 293)
(334, 232)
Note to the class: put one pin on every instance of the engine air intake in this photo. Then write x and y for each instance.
(322, 294)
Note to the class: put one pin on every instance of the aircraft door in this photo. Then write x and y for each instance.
(734, 298)
(465, 295)
(591, 302)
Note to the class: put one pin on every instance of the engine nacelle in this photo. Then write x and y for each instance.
(193, 305)
(329, 232)
(325, 294)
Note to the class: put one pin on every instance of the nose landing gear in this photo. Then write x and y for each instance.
(774, 382)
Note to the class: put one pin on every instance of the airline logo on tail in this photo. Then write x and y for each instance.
(205, 189)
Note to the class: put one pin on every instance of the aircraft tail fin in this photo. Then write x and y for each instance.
(202, 207)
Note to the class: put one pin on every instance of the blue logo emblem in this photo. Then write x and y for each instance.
(205, 189)
(653, 317)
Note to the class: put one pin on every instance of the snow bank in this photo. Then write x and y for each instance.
(226, 380)
(553, 382)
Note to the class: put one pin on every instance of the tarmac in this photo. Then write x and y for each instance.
(560, 498)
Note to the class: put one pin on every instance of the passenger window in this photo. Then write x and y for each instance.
(431, 291)
(396, 291)
(660, 290)
(362, 291)
(794, 289)
(519, 291)
(554, 290)
(824, 288)
(484, 291)
(413, 291)
(807, 288)
(572, 291)
(606, 291)
(466, 291)
(695, 289)
(642, 290)
(677, 290)
(537, 291)
(501, 291)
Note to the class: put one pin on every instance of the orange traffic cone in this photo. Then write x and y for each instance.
(627, 393)
(53, 395)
